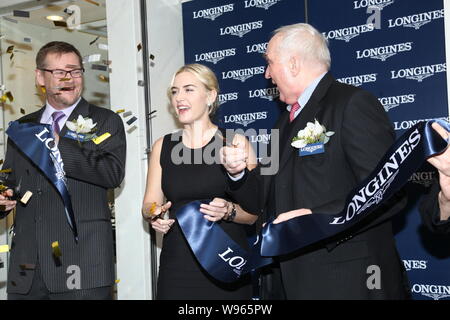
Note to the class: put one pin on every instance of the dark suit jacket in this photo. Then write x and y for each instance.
(90, 169)
(336, 269)
(429, 210)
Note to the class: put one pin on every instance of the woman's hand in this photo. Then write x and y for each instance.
(162, 225)
(216, 210)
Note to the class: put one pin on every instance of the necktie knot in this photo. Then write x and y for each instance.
(294, 109)
(56, 116)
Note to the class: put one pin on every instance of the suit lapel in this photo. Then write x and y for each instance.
(307, 114)
(82, 109)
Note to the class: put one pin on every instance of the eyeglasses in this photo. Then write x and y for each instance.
(61, 74)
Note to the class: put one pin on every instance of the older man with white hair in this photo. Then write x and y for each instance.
(358, 133)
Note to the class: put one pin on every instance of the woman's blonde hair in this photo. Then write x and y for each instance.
(206, 77)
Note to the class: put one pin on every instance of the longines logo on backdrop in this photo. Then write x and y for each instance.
(243, 74)
(407, 124)
(424, 178)
(215, 56)
(266, 93)
(225, 97)
(419, 73)
(348, 33)
(394, 101)
(265, 4)
(213, 13)
(257, 47)
(385, 52)
(359, 79)
(432, 291)
(246, 118)
(379, 4)
(241, 29)
(415, 264)
(416, 20)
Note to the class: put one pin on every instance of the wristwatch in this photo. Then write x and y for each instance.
(232, 214)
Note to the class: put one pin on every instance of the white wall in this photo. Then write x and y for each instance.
(168, 49)
(165, 43)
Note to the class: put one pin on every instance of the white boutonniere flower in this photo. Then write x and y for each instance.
(81, 125)
(313, 133)
(81, 129)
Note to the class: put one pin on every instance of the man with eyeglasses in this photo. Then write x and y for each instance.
(46, 261)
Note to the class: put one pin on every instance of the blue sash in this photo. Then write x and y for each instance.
(217, 253)
(222, 258)
(393, 171)
(36, 141)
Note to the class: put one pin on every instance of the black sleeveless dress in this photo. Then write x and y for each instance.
(188, 175)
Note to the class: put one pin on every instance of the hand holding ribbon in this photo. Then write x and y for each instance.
(291, 214)
(215, 210)
(442, 163)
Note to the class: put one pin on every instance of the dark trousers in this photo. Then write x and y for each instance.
(39, 291)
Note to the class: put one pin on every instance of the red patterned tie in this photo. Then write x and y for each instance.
(294, 109)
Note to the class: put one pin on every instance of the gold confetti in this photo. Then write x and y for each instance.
(103, 78)
(153, 208)
(4, 248)
(102, 138)
(117, 281)
(3, 188)
(120, 111)
(7, 96)
(44, 91)
(22, 111)
(26, 197)
(55, 249)
(6, 171)
(60, 24)
(27, 266)
(139, 47)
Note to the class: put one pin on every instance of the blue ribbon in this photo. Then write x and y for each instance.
(36, 141)
(217, 253)
(393, 171)
(225, 260)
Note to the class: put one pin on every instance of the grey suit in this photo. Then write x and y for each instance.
(90, 169)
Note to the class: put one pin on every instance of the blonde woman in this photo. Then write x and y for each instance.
(182, 169)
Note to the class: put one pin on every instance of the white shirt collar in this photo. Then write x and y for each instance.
(307, 93)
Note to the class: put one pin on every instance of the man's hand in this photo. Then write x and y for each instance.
(234, 157)
(5, 203)
(291, 214)
(442, 163)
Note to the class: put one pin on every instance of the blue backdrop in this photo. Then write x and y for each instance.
(393, 48)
